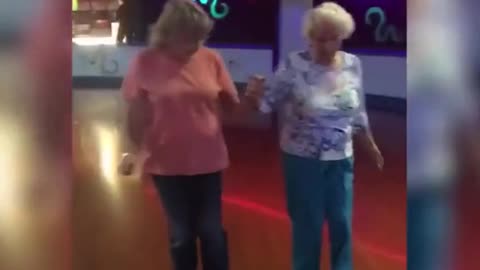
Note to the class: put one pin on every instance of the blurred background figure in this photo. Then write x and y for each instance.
(35, 81)
(124, 29)
(128, 13)
(442, 129)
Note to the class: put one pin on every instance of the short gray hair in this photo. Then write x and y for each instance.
(182, 17)
(330, 12)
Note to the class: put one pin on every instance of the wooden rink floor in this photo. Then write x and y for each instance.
(118, 222)
(51, 219)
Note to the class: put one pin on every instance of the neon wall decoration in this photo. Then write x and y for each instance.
(380, 24)
(217, 10)
(238, 23)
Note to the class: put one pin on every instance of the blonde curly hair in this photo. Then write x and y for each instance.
(181, 18)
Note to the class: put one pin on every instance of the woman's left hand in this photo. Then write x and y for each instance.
(366, 138)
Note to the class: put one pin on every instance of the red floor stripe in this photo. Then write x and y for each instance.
(279, 215)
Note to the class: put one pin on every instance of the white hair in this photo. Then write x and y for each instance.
(331, 13)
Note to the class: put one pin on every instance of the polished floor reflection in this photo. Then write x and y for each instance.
(118, 221)
(34, 184)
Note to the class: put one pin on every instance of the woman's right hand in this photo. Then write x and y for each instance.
(255, 88)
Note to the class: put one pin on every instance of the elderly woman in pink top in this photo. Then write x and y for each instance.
(174, 91)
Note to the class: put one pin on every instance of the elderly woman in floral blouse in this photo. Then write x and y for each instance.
(319, 93)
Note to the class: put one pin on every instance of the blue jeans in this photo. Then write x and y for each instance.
(319, 191)
(193, 208)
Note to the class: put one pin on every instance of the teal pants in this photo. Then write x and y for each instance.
(319, 191)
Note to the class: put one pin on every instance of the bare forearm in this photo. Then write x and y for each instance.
(248, 105)
(365, 137)
(134, 132)
(139, 117)
(469, 146)
(245, 106)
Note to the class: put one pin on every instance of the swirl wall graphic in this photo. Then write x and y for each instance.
(217, 10)
(384, 32)
(108, 66)
(381, 25)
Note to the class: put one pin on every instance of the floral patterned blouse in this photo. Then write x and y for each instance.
(320, 106)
